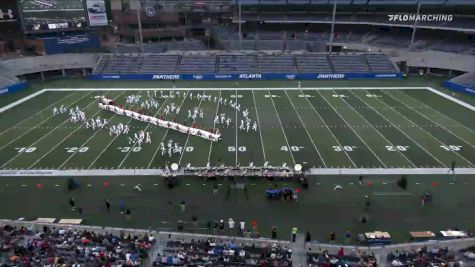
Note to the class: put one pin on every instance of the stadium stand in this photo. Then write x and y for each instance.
(422, 257)
(349, 63)
(211, 252)
(6, 81)
(250, 63)
(467, 79)
(237, 64)
(159, 64)
(59, 247)
(276, 64)
(197, 64)
(380, 63)
(119, 64)
(307, 63)
(324, 258)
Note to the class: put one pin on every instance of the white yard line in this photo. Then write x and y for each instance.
(87, 141)
(48, 133)
(37, 112)
(41, 122)
(453, 99)
(188, 137)
(308, 134)
(214, 127)
(260, 132)
(282, 127)
(328, 128)
(369, 148)
(165, 135)
(398, 127)
(442, 143)
(148, 125)
(424, 105)
(235, 121)
(108, 145)
(60, 142)
(372, 126)
(19, 101)
(441, 126)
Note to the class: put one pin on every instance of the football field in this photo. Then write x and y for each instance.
(368, 130)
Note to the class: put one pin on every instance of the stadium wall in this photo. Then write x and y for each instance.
(247, 76)
(459, 87)
(13, 88)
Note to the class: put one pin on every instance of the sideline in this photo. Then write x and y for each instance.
(19, 101)
(453, 99)
(162, 172)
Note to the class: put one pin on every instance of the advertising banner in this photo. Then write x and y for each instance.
(96, 12)
(247, 76)
(459, 87)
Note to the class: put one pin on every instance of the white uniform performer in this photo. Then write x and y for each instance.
(148, 139)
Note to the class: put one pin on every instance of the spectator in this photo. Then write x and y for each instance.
(108, 205)
(72, 203)
(294, 233)
(274, 232)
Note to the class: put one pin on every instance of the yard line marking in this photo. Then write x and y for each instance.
(148, 125)
(397, 127)
(108, 145)
(214, 127)
(188, 137)
(40, 123)
(48, 133)
(328, 128)
(441, 126)
(453, 99)
(424, 105)
(260, 133)
(430, 133)
(371, 125)
(235, 121)
(19, 101)
(165, 135)
(282, 127)
(353, 130)
(87, 141)
(38, 112)
(64, 139)
(298, 115)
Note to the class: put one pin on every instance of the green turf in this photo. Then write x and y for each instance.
(317, 128)
(310, 127)
(319, 209)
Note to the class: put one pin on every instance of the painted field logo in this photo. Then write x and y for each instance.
(250, 76)
(166, 77)
(421, 17)
(330, 76)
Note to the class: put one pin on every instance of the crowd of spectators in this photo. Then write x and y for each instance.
(59, 247)
(211, 253)
(325, 259)
(422, 257)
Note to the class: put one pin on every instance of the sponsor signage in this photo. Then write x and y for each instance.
(249, 76)
(96, 13)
